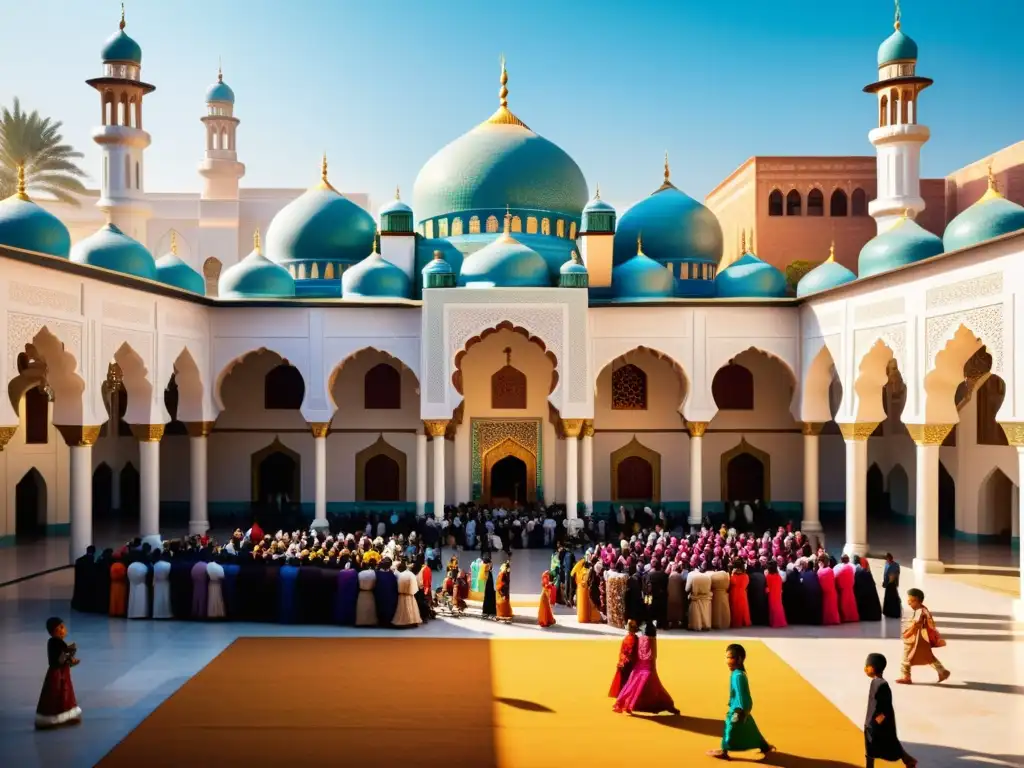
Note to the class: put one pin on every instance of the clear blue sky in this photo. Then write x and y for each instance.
(382, 84)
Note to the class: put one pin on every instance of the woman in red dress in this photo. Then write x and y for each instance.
(545, 617)
(773, 580)
(739, 608)
(829, 598)
(643, 692)
(57, 705)
(627, 660)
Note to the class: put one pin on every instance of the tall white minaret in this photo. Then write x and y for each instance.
(122, 193)
(899, 136)
(220, 168)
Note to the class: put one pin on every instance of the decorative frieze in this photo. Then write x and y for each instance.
(964, 291)
(44, 298)
(1014, 432)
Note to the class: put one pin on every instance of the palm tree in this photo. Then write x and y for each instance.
(36, 142)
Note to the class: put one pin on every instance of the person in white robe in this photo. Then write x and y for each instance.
(366, 608)
(215, 591)
(138, 592)
(162, 590)
(408, 613)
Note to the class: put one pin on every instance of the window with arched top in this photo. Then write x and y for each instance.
(629, 388)
(301, 272)
(492, 223)
(442, 228)
(859, 203)
(508, 388)
(531, 225)
(211, 273)
(138, 176)
(572, 230)
(428, 229)
(733, 388)
(883, 111)
(517, 224)
(382, 388)
(560, 228)
(545, 226)
(456, 226)
(815, 203)
(474, 225)
(837, 204)
(329, 271)
(794, 203)
(314, 271)
(283, 388)
(894, 107)
(775, 203)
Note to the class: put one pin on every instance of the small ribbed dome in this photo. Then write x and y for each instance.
(641, 278)
(750, 278)
(171, 270)
(110, 248)
(394, 206)
(220, 91)
(438, 266)
(573, 274)
(904, 243)
(25, 225)
(255, 277)
(374, 277)
(993, 215)
(897, 47)
(120, 47)
(505, 263)
(597, 205)
(828, 274)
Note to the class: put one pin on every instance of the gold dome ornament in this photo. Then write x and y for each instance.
(503, 115)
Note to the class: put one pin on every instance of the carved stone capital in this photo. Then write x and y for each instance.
(320, 428)
(588, 428)
(148, 433)
(929, 434)
(77, 435)
(812, 428)
(1014, 431)
(199, 428)
(436, 427)
(697, 428)
(6, 433)
(572, 427)
(858, 430)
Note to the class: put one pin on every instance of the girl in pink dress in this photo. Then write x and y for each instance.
(643, 692)
(776, 614)
(845, 573)
(829, 598)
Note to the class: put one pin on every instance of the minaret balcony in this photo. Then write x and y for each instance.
(896, 134)
(121, 135)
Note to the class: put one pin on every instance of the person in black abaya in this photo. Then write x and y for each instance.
(306, 587)
(757, 597)
(385, 593)
(892, 607)
(181, 585)
(636, 609)
(490, 606)
(81, 598)
(812, 593)
(99, 601)
(657, 581)
(881, 742)
(793, 602)
(869, 607)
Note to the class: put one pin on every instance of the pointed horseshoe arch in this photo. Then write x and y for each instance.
(381, 449)
(635, 451)
(763, 457)
(504, 449)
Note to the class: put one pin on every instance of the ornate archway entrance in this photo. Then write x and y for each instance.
(275, 473)
(746, 474)
(509, 474)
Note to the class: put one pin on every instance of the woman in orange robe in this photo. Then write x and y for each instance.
(545, 617)
(118, 589)
(503, 589)
(738, 605)
(586, 611)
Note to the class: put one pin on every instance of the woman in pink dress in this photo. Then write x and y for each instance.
(829, 598)
(776, 613)
(643, 692)
(845, 573)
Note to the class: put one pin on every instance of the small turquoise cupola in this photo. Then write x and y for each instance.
(27, 226)
(255, 277)
(172, 271)
(374, 278)
(904, 243)
(505, 263)
(641, 278)
(396, 216)
(828, 274)
(573, 274)
(598, 216)
(121, 48)
(898, 46)
(993, 215)
(750, 278)
(110, 248)
(220, 92)
(438, 273)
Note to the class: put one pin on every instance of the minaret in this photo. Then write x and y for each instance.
(220, 168)
(397, 237)
(597, 240)
(122, 194)
(898, 137)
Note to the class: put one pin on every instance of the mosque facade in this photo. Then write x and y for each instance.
(506, 337)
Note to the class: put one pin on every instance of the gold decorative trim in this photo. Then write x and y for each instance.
(572, 427)
(320, 428)
(763, 456)
(148, 433)
(812, 428)
(257, 458)
(504, 449)
(635, 448)
(1014, 431)
(199, 428)
(697, 428)
(6, 433)
(380, 448)
(858, 430)
(436, 427)
(588, 428)
(77, 435)
(929, 434)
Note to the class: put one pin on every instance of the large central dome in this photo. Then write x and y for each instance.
(500, 163)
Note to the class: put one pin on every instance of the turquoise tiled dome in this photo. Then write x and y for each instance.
(120, 47)
(573, 274)
(993, 215)
(320, 225)
(641, 278)
(25, 225)
(438, 273)
(375, 277)
(904, 243)
(597, 205)
(110, 248)
(500, 163)
(172, 271)
(897, 47)
(220, 91)
(505, 263)
(750, 278)
(394, 206)
(674, 227)
(255, 277)
(828, 274)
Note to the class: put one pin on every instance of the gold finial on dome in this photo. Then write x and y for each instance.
(640, 243)
(667, 183)
(832, 252)
(376, 244)
(597, 192)
(20, 192)
(438, 256)
(398, 193)
(121, 25)
(174, 242)
(256, 241)
(220, 71)
(324, 183)
(576, 258)
(506, 234)
(992, 193)
(504, 116)
(743, 241)
(896, 21)
(503, 93)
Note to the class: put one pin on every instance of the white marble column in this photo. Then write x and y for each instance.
(198, 514)
(1015, 437)
(928, 438)
(696, 430)
(149, 436)
(587, 461)
(80, 441)
(421, 474)
(856, 435)
(812, 517)
(571, 429)
(320, 430)
(436, 429)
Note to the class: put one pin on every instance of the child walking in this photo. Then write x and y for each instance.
(880, 739)
(57, 705)
(741, 732)
(919, 637)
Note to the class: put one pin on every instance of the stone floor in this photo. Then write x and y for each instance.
(130, 668)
